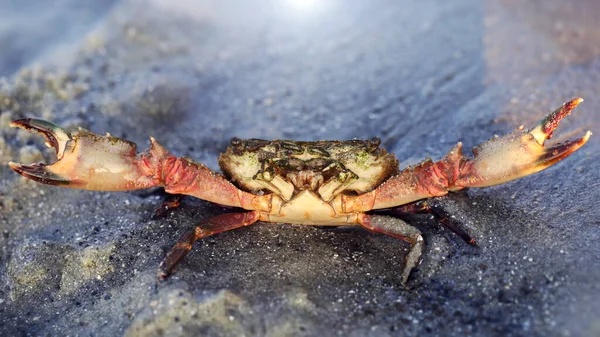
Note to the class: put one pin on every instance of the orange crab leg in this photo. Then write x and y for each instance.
(496, 161)
(215, 225)
(184, 176)
(106, 163)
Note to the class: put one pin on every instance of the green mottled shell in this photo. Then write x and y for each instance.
(249, 163)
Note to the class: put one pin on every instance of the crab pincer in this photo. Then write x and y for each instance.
(84, 160)
(89, 161)
(520, 153)
(55, 137)
(499, 160)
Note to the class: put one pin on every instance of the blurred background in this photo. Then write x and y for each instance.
(422, 75)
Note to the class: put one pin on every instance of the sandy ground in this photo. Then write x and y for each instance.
(421, 75)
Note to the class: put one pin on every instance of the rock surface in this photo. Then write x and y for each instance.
(421, 75)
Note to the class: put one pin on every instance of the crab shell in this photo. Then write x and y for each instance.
(304, 177)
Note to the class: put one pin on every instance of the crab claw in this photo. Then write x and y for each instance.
(55, 137)
(84, 160)
(519, 153)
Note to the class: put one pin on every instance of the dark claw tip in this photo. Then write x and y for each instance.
(563, 150)
(20, 123)
(163, 273)
(550, 123)
(39, 173)
(55, 136)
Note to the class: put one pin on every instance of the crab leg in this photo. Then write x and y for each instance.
(438, 213)
(218, 224)
(496, 161)
(106, 163)
(171, 202)
(401, 230)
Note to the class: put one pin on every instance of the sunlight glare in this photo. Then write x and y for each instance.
(304, 4)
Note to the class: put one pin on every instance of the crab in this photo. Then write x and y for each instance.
(325, 183)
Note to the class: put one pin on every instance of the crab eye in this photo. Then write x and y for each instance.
(374, 143)
(236, 142)
(291, 147)
(318, 151)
